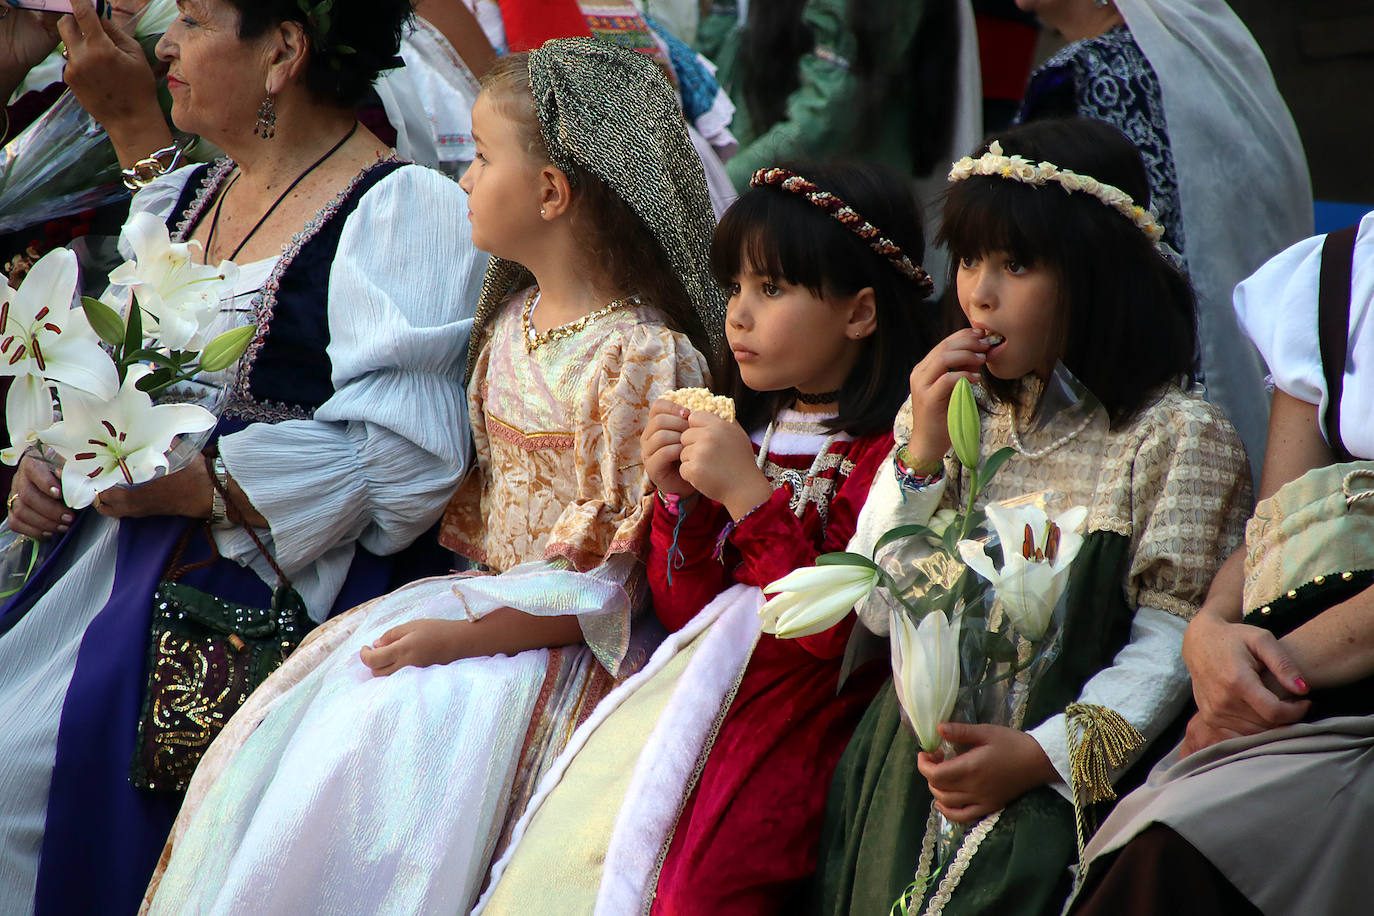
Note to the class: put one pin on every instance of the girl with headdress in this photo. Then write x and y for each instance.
(1185, 80)
(1057, 271)
(340, 789)
(699, 785)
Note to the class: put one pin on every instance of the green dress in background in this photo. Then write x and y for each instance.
(823, 113)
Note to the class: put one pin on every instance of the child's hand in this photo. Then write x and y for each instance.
(960, 355)
(718, 460)
(418, 643)
(1001, 765)
(660, 447)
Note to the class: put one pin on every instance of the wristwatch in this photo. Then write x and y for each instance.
(219, 510)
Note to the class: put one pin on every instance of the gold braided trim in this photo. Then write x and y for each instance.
(1100, 741)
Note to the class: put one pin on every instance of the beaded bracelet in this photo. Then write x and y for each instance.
(672, 502)
(911, 474)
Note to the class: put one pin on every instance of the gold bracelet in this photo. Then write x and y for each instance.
(923, 468)
(145, 171)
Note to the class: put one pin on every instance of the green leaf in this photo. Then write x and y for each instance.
(845, 558)
(963, 423)
(104, 320)
(225, 350)
(902, 531)
(153, 383)
(994, 463)
(133, 333)
(152, 356)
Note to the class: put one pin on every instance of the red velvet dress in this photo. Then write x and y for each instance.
(747, 836)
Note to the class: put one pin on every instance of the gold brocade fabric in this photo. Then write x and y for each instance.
(1174, 479)
(564, 844)
(558, 472)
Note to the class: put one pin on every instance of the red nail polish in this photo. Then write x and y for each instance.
(1302, 684)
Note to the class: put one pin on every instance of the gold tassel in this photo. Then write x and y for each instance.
(1100, 741)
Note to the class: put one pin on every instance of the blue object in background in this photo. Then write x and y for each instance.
(1329, 215)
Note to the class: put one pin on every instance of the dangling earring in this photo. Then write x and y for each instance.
(267, 119)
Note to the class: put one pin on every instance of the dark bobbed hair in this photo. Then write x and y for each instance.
(775, 38)
(620, 247)
(784, 236)
(1127, 315)
(372, 29)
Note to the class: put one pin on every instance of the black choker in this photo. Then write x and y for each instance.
(825, 397)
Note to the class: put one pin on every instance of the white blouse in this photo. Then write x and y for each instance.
(377, 463)
(1277, 309)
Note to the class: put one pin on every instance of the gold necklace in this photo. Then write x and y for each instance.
(534, 340)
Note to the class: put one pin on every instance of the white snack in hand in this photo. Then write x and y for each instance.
(703, 399)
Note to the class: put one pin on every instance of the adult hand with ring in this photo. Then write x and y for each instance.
(35, 503)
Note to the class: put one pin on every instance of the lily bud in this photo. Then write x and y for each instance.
(963, 423)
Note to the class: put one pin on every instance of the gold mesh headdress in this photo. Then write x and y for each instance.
(613, 113)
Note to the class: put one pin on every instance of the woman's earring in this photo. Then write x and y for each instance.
(267, 119)
(1102, 3)
(541, 212)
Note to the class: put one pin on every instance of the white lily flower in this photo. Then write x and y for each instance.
(814, 598)
(181, 297)
(44, 339)
(122, 440)
(925, 671)
(1036, 554)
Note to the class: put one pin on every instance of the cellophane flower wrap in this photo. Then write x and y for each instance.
(64, 163)
(137, 407)
(975, 593)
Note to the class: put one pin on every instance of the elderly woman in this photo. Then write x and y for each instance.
(1186, 82)
(344, 435)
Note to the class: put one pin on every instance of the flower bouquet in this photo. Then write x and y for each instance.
(137, 408)
(63, 163)
(974, 597)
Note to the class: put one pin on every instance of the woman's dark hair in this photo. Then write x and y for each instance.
(619, 245)
(784, 236)
(775, 38)
(350, 44)
(1127, 314)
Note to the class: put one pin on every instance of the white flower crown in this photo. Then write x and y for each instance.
(995, 164)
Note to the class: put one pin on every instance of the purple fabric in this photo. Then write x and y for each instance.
(103, 836)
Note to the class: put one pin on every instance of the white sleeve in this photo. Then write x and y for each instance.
(1277, 310)
(1147, 683)
(380, 459)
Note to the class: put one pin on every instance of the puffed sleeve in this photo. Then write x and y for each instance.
(382, 455)
(1277, 309)
(611, 514)
(1185, 502)
(160, 196)
(1190, 496)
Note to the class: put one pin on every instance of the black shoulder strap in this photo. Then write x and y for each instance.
(1333, 327)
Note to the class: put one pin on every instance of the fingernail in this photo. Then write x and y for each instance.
(62, 528)
(54, 491)
(1302, 684)
(67, 519)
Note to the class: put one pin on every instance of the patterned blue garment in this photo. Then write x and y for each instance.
(1107, 78)
(696, 82)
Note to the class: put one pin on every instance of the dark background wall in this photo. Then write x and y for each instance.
(1322, 54)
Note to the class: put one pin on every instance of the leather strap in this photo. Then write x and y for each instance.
(1333, 327)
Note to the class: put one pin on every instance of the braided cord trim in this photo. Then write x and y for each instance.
(848, 217)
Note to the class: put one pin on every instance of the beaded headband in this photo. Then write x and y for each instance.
(1018, 168)
(848, 217)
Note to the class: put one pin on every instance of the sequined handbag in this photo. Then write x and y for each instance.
(205, 657)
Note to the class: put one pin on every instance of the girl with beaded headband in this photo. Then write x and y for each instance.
(419, 722)
(822, 265)
(1057, 287)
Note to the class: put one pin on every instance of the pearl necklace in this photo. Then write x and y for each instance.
(1042, 452)
(533, 339)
